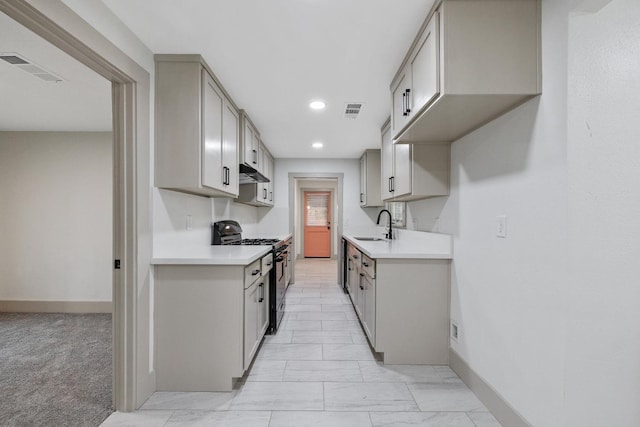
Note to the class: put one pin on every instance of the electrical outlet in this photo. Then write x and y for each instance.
(501, 226)
(454, 331)
(189, 222)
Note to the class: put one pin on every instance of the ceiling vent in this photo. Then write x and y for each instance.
(24, 64)
(352, 110)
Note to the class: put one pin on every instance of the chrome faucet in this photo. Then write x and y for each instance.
(389, 234)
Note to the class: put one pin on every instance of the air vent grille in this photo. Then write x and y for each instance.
(25, 65)
(352, 110)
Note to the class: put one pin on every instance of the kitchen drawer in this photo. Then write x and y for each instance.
(267, 263)
(354, 253)
(369, 266)
(252, 272)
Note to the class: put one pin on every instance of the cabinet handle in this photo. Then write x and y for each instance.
(255, 157)
(404, 103)
(271, 196)
(264, 193)
(361, 197)
(393, 184)
(408, 92)
(365, 264)
(361, 274)
(261, 286)
(255, 272)
(389, 184)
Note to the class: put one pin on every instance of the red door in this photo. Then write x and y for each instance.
(317, 224)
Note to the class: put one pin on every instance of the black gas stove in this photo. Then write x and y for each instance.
(230, 233)
(258, 242)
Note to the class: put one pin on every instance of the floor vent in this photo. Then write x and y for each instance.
(352, 110)
(25, 65)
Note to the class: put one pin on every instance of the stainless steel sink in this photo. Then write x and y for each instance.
(370, 239)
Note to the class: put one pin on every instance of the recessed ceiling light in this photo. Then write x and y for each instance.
(317, 145)
(317, 105)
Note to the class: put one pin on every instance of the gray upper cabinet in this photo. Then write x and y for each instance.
(197, 129)
(261, 193)
(413, 171)
(370, 179)
(417, 83)
(249, 143)
(472, 61)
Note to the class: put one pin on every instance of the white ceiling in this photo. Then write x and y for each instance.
(275, 56)
(82, 102)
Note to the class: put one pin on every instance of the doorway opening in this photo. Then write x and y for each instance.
(319, 182)
(133, 378)
(56, 183)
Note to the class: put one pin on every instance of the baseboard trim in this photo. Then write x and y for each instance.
(499, 407)
(56, 306)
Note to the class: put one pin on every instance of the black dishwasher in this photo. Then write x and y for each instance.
(343, 269)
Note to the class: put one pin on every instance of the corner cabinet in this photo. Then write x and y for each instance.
(197, 129)
(413, 171)
(472, 61)
(370, 179)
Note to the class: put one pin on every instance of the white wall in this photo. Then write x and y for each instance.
(276, 219)
(549, 315)
(603, 325)
(56, 213)
(509, 296)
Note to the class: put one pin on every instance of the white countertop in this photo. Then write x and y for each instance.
(196, 254)
(415, 246)
(210, 255)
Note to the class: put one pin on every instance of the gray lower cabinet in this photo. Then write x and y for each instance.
(403, 306)
(209, 322)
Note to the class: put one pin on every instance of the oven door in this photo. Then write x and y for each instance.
(281, 277)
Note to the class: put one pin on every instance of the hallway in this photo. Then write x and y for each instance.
(319, 370)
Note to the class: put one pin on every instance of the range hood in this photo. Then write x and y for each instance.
(249, 175)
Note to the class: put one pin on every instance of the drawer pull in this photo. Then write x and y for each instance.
(365, 264)
(255, 272)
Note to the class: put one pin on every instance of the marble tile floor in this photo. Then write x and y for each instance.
(319, 370)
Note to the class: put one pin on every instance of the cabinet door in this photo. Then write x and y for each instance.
(425, 68)
(271, 176)
(361, 297)
(263, 187)
(400, 90)
(212, 108)
(401, 182)
(363, 180)
(370, 308)
(250, 145)
(354, 279)
(230, 142)
(250, 323)
(263, 306)
(386, 165)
